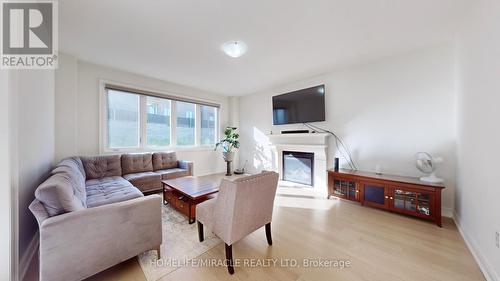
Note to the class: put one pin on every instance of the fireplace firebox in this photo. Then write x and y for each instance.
(298, 167)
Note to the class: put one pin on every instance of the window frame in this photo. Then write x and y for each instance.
(143, 93)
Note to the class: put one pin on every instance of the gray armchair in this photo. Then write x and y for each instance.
(241, 207)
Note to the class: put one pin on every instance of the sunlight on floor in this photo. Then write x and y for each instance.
(294, 195)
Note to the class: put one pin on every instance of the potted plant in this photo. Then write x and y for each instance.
(228, 143)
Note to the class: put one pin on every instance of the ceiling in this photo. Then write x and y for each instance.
(179, 40)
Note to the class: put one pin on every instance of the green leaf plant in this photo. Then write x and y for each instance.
(230, 140)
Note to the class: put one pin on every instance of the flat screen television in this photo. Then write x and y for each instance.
(302, 106)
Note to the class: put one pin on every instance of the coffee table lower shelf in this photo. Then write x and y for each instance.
(182, 203)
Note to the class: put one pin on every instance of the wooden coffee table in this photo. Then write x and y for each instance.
(183, 194)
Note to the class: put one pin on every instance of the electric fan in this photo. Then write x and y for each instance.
(427, 165)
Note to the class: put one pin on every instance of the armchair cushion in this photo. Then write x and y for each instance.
(110, 190)
(137, 163)
(97, 167)
(164, 160)
(173, 173)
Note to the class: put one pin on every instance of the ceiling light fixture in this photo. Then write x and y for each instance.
(234, 49)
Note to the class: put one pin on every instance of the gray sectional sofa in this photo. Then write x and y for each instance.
(92, 213)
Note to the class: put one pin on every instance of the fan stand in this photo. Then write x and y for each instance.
(432, 178)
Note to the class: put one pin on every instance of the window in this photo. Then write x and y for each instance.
(158, 122)
(138, 120)
(208, 121)
(123, 119)
(185, 123)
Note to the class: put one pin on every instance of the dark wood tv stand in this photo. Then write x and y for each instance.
(404, 195)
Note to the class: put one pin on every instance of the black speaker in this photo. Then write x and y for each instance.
(336, 164)
(295, 132)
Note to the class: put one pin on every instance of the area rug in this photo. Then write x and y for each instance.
(180, 243)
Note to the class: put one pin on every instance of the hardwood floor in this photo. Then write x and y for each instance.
(379, 246)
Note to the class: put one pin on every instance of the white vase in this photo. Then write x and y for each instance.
(228, 156)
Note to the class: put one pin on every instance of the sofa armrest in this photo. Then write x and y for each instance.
(36, 207)
(76, 245)
(187, 165)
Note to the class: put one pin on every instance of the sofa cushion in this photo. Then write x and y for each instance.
(137, 163)
(104, 180)
(173, 173)
(74, 168)
(145, 181)
(102, 166)
(110, 190)
(57, 194)
(164, 160)
(76, 181)
(74, 163)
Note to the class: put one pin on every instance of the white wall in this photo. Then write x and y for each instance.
(31, 120)
(77, 110)
(477, 209)
(5, 192)
(385, 111)
(65, 104)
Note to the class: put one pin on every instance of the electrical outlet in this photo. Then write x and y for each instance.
(497, 239)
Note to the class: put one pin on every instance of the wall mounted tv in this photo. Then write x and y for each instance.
(302, 106)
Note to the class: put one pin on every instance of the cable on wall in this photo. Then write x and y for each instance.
(344, 151)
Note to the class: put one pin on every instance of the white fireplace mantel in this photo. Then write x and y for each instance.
(316, 143)
(306, 139)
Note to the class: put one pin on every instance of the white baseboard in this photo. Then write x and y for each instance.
(488, 270)
(447, 212)
(27, 258)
